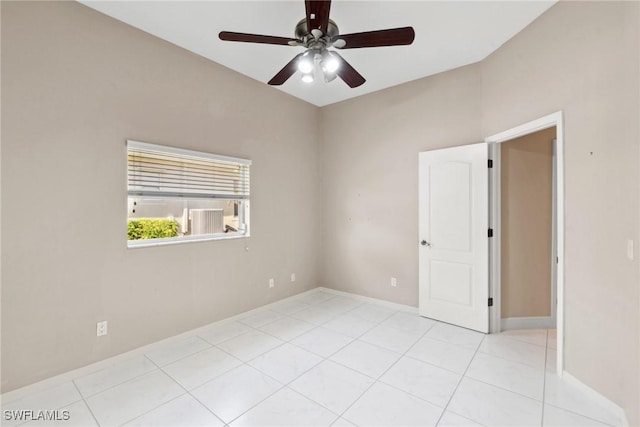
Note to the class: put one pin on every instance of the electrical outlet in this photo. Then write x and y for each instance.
(272, 283)
(293, 277)
(394, 282)
(630, 249)
(101, 328)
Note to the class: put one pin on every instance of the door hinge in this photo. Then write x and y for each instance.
(490, 302)
(490, 232)
(490, 163)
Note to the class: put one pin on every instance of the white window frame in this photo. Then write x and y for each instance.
(243, 213)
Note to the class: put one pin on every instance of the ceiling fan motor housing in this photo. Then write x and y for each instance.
(303, 33)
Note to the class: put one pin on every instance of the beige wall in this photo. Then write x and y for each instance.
(75, 85)
(526, 169)
(370, 178)
(578, 57)
(582, 58)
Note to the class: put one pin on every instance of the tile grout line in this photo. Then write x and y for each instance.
(262, 400)
(541, 401)
(353, 339)
(335, 315)
(378, 323)
(185, 334)
(606, 424)
(84, 399)
(544, 378)
(512, 338)
(152, 409)
(216, 345)
(183, 357)
(281, 314)
(433, 364)
(264, 373)
(143, 356)
(544, 392)
(473, 421)
(24, 422)
(161, 367)
(135, 377)
(250, 408)
(448, 342)
(509, 360)
(246, 363)
(196, 335)
(284, 385)
(462, 377)
(170, 400)
(376, 380)
(331, 354)
(503, 389)
(328, 358)
(308, 398)
(315, 326)
(85, 402)
(324, 359)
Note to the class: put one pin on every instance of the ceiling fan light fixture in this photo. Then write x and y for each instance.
(339, 44)
(329, 77)
(316, 32)
(305, 63)
(329, 62)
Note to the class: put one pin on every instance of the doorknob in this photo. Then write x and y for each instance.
(425, 243)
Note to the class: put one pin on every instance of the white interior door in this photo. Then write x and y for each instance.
(453, 231)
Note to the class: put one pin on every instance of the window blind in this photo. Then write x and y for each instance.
(156, 170)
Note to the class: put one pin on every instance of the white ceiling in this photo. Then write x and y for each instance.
(449, 34)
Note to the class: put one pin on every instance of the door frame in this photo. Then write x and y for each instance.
(551, 120)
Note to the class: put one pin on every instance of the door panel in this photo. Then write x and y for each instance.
(451, 282)
(453, 256)
(451, 210)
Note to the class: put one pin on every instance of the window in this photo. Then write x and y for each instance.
(177, 195)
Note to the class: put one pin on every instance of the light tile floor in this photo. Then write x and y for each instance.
(325, 359)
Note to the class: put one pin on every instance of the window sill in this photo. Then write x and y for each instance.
(135, 244)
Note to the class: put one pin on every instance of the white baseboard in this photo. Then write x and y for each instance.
(527, 323)
(110, 361)
(103, 364)
(606, 403)
(71, 375)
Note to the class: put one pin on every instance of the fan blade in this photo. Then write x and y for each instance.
(254, 38)
(347, 73)
(318, 14)
(286, 72)
(392, 37)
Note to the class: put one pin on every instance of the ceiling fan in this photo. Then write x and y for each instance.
(317, 33)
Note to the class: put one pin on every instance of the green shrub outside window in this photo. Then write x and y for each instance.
(144, 228)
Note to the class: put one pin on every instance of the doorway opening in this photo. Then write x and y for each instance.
(525, 167)
(527, 251)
